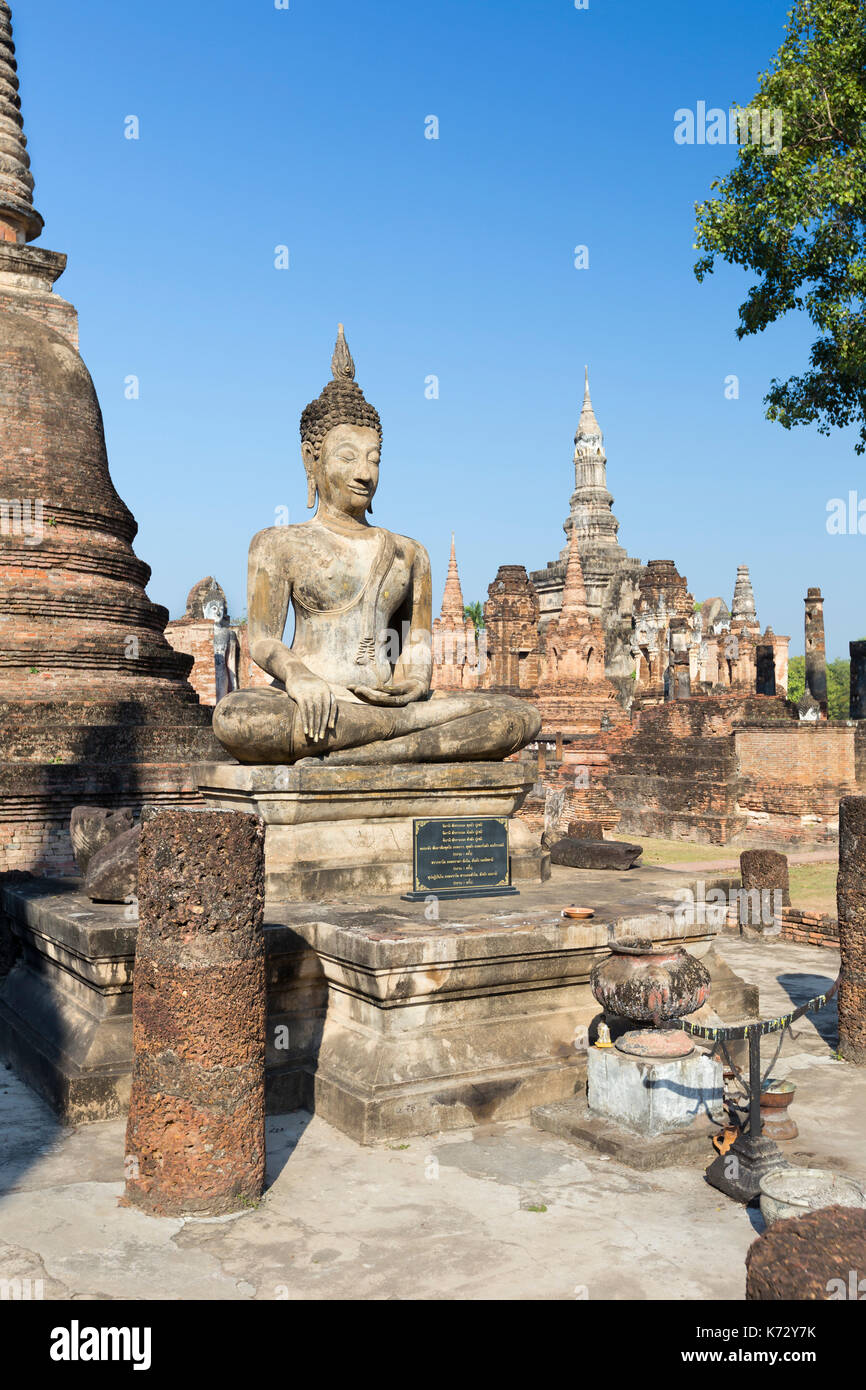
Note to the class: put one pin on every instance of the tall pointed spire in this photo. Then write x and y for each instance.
(452, 599)
(19, 220)
(588, 429)
(574, 603)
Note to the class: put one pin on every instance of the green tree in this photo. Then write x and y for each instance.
(838, 684)
(838, 688)
(794, 212)
(796, 678)
(475, 613)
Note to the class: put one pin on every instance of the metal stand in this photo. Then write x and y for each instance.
(738, 1172)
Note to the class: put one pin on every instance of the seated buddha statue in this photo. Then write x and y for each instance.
(354, 686)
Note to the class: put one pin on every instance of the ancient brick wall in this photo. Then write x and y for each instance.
(676, 776)
(791, 777)
(810, 928)
(196, 639)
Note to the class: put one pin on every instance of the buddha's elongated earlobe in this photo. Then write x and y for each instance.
(311, 491)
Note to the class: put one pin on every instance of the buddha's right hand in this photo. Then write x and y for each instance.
(316, 704)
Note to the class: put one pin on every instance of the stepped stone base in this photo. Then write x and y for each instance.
(347, 830)
(572, 1120)
(385, 1022)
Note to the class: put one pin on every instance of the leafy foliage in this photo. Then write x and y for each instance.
(794, 212)
(475, 613)
(838, 684)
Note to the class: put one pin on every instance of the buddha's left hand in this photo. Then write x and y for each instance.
(400, 693)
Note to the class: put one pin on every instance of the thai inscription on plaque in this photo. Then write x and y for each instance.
(463, 857)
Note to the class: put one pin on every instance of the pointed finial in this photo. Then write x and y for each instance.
(342, 363)
(588, 427)
(19, 221)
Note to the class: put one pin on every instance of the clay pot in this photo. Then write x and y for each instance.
(776, 1123)
(649, 984)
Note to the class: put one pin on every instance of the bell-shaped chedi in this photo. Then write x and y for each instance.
(75, 619)
(94, 703)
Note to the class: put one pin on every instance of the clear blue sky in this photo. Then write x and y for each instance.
(305, 127)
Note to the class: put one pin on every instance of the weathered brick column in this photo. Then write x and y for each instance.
(195, 1140)
(816, 657)
(851, 902)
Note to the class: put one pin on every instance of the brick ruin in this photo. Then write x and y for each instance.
(661, 716)
(95, 705)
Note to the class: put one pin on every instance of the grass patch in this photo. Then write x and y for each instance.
(666, 852)
(814, 886)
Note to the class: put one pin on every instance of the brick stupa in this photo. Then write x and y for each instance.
(455, 655)
(95, 705)
(573, 693)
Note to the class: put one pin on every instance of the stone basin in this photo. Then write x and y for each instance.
(795, 1191)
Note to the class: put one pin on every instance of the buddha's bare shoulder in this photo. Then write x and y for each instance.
(413, 550)
(281, 539)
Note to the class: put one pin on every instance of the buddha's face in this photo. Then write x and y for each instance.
(347, 469)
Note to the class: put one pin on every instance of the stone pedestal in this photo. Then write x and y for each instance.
(66, 1007)
(344, 831)
(654, 1096)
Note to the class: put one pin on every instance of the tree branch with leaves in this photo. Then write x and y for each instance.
(795, 214)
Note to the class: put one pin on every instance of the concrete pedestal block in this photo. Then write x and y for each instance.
(336, 832)
(653, 1097)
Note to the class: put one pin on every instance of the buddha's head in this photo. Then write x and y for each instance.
(341, 441)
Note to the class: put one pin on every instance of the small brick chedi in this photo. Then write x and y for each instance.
(94, 703)
(196, 1131)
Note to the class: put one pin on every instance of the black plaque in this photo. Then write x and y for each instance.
(461, 857)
